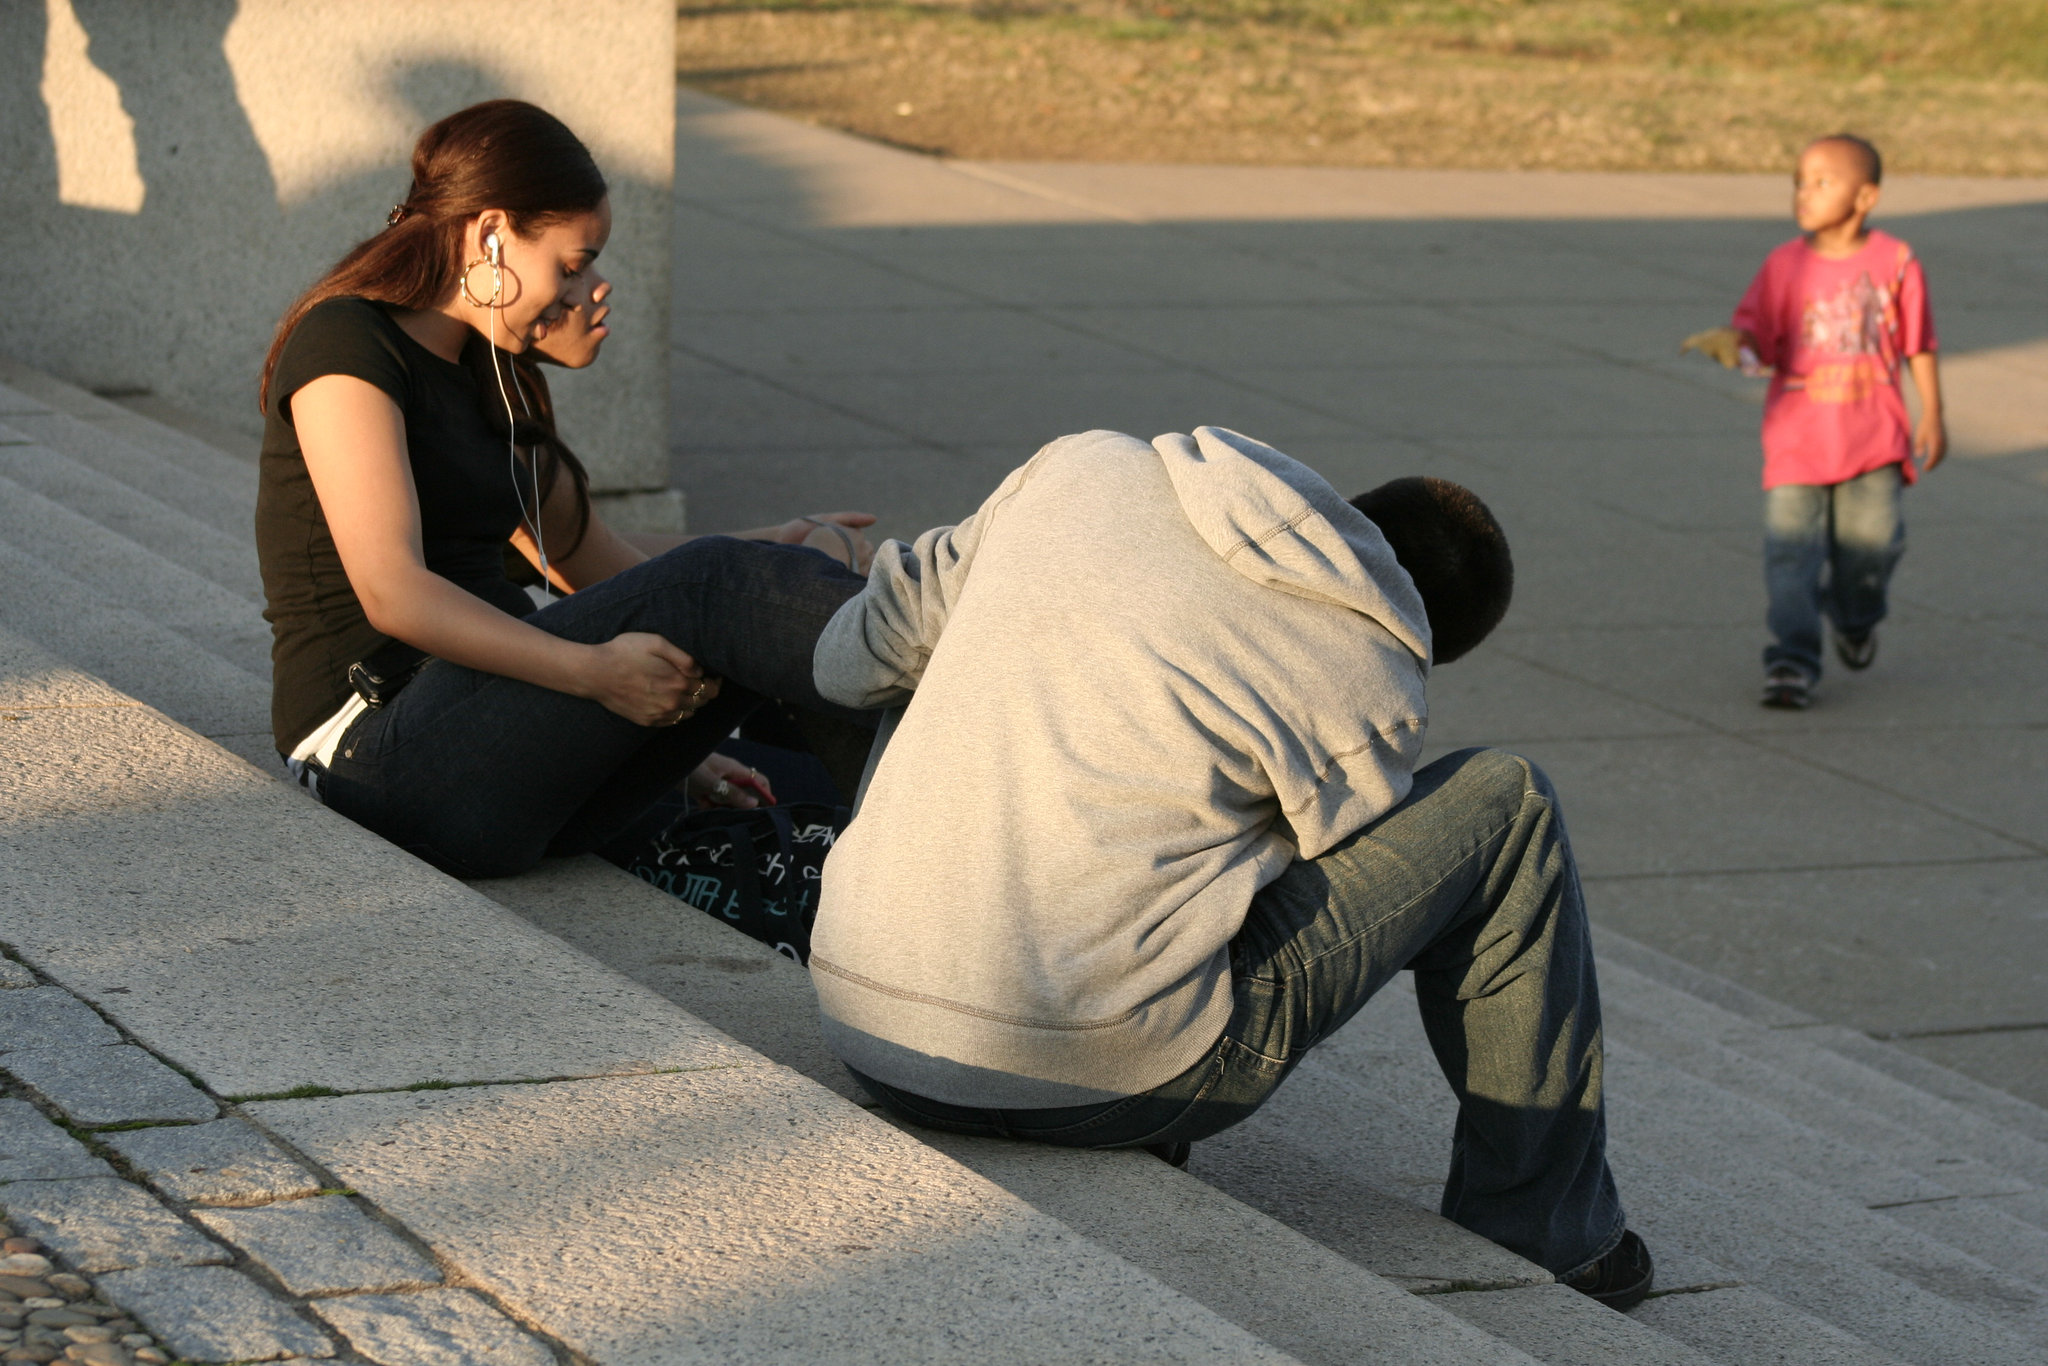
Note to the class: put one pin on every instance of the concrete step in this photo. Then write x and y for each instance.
(135, 654)
(125, 574)
(1667, 1124)
(105, 445)
(1682, 1214)
(1840, 1262)
(1807, 1129)
(1973, 1206)
(231, 477)
(1740, 1323)
(1913, 1091)
(615, 1171)
(1972, 1122)
(1650, 1025)
(205, 550)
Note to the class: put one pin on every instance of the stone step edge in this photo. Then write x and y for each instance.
(235, 476)
(1999, 1107)
(124, 573)
(36, 465)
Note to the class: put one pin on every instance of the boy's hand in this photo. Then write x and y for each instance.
(1930, 440)
(1930, 434)
(1723, 344)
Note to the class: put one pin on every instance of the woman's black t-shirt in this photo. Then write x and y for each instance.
(468, 509)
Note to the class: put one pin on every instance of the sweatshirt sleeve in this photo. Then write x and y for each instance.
(873, 651)
(1353, 761)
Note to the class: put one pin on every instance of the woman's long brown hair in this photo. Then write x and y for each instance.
(501, 154)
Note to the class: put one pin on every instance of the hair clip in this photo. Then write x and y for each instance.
(398, 211)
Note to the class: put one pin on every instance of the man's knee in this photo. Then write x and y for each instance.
(1506, 778)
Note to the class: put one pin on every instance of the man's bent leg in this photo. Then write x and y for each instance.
(1511, 1003)
(1470, 883)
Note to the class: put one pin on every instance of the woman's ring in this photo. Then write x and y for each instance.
(698, 691)
(722, 791)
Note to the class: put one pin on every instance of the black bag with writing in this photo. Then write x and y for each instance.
(758, 871)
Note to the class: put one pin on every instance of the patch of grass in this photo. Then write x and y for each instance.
(1957, 86)
(308, 1091)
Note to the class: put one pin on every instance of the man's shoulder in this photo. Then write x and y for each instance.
(1098, 444)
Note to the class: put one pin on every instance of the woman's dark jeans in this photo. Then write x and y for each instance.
(1469, 884)
(483, 775)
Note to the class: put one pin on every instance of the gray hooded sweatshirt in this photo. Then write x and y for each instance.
(1141, 680)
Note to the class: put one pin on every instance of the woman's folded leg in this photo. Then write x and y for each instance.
(483, 775)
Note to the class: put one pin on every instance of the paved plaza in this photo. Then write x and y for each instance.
(856, 326)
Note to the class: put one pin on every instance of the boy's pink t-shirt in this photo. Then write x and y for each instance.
(1836, 330)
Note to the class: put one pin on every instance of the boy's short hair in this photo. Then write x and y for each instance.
(1452, 547)
(1866, 152)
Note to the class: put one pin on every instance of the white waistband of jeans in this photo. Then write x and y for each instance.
(313, 755)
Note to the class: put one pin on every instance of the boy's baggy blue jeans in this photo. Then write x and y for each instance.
(1470, 884)
(1829, 550)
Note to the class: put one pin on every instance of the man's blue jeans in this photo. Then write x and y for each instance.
(1469, 884)
(1829, 549)
(483, 775)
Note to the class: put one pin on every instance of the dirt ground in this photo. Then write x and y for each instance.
(1943, 86)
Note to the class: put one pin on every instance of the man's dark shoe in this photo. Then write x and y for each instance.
(1857, 652)
(1622, 1278)
(1788, 688)
(1172, 1154)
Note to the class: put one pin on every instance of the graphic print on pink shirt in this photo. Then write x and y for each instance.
(1836, 331)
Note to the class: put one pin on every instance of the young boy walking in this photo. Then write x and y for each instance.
(1834, 315)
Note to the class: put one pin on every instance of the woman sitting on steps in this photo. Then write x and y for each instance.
(415, 688)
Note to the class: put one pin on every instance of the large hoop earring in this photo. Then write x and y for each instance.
(497, 283)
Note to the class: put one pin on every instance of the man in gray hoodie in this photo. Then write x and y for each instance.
(1147, 827)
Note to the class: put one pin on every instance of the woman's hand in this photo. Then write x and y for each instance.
(838, 534)
(640, 676)
(723, 781)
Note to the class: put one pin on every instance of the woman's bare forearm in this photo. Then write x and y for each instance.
(429, 613)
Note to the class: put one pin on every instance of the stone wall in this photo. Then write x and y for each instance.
(176, 172)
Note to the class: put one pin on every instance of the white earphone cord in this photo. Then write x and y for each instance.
(532, 521)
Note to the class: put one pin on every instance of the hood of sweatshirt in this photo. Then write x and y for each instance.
(1280, 524)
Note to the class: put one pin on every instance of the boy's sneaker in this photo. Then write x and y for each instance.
(1786, 686)
(1858, 652)
(1622, 1278)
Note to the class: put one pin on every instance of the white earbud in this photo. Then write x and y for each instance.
(494, 250)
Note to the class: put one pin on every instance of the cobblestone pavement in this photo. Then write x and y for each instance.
(145, 1221)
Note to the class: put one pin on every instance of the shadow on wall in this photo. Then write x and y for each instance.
(179, 172)
(183, 292)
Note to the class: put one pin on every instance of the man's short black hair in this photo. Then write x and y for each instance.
(1455, 551)
(1866, 152)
